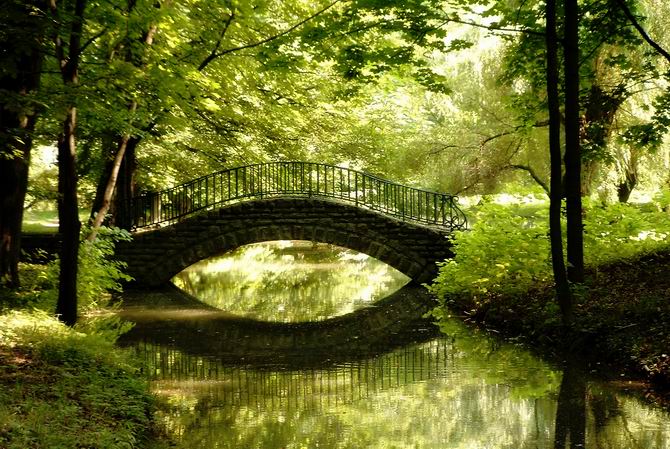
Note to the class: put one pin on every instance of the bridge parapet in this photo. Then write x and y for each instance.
(305, 179)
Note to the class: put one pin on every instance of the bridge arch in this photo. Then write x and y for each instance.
(155, 256)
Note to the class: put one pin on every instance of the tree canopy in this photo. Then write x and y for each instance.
(445, 95)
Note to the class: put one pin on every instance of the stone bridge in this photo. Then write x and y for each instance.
(156, 255)
(405, 227)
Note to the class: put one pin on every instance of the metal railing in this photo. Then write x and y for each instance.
(308, 179)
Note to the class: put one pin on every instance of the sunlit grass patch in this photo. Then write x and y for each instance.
(61, 388)
(46, 221)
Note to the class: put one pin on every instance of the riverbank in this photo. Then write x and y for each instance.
(60, 388)
(621, 319)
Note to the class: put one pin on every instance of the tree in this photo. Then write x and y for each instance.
(573, 155)
(563, 293)
(68, 57)
(24, 26)
(122, 141)
(614, 71)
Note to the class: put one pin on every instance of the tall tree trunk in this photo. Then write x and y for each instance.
(13, 187)
(68, 210)
(573, 158)
(563, 294)
(18, 116)
(68, 214)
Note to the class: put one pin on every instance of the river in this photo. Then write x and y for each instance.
(302, 345)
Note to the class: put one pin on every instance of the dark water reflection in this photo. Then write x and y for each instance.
(290, 281)
(460, 390)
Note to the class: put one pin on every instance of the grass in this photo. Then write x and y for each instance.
(46, 221)
(60, 388)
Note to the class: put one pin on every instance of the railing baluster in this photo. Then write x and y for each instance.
(207, 192)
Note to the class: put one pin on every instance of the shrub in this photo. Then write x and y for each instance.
(99, 275)
(507, 249)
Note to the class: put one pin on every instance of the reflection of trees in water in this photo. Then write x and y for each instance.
(290, 281)
(570, 428)
(461, 392)
(589, 415)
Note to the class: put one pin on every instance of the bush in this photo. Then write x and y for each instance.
(507, 249)
(504, 252)
(99, 275)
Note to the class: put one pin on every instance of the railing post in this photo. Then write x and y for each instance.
(356, 186)
(363, 179)
(207, 191)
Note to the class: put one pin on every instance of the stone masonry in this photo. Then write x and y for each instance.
(155, 256)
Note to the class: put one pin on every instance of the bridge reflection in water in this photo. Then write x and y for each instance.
(271, 387)
(463, 391)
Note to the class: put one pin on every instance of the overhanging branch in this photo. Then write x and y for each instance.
(633, 20)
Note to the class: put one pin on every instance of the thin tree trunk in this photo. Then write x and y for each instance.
(68, 210)
(108, 145)
(573, 157)
(111, 182)
(17, 123)
(125, 189)
(625, 187)
(563, 294)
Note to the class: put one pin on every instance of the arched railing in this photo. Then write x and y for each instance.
(306, 179)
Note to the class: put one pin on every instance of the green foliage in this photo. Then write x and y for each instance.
(662, 198)
(99, 275)
(622, 231)
(62, 388)
(503, 252)
(507, 250)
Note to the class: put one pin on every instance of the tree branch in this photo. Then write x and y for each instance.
(539, 124)
(494, 28)
(627, 12)
(212, 54)
(92, 39)
(267, 39)
(532, 173)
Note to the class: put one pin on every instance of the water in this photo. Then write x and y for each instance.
(290, 281)
(230, 384)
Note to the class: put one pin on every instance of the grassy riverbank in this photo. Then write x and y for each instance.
(71, 388)
(622, 318)
(60, 388)
(501, 279)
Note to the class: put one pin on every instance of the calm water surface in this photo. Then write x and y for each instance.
(460, 390)
(290, 281)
